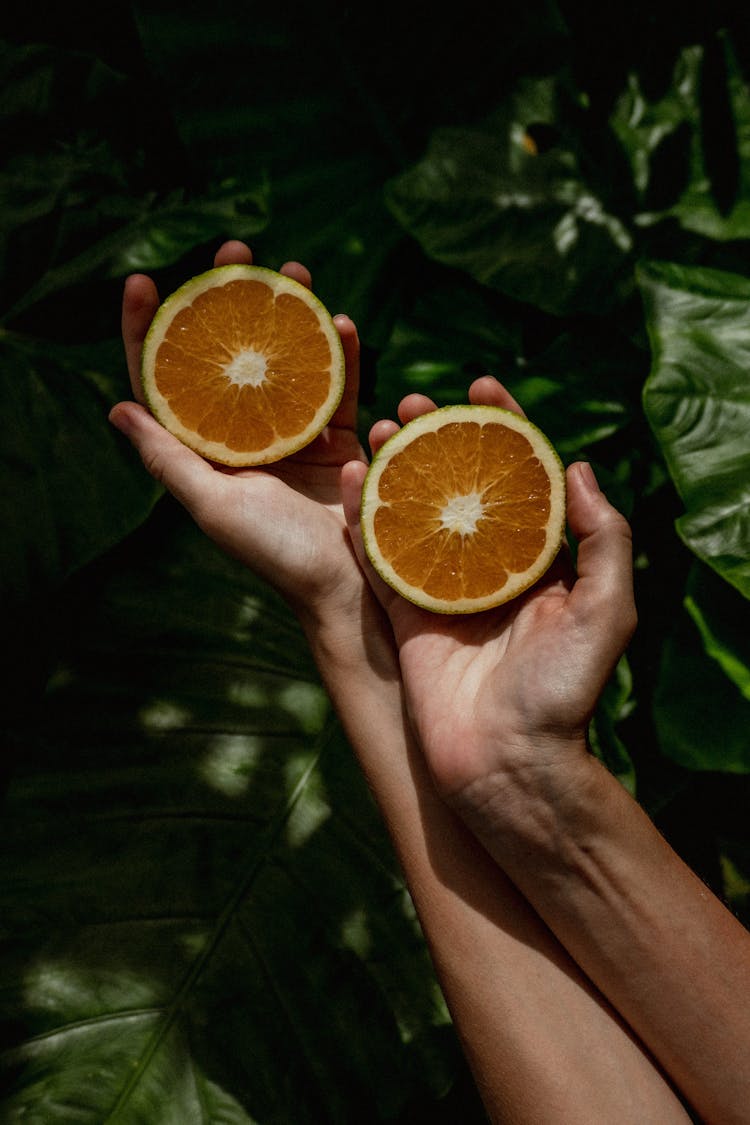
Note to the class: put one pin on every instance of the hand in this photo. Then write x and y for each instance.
(285, 521)
(510, 691)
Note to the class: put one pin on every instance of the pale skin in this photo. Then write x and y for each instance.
(500, 705)
(545, 1044)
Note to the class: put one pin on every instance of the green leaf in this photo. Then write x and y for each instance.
(701, 717)
(615, 704)
(685, 144)
(198, 897)
(71, 488)
(486, 200)
(580, 389)
(735, 869)
(645, 128)
(152, 233)
(697, 400)
(335, 222)
(723, 621)
(453, 333)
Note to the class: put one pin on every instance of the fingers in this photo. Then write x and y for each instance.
(233, 253)
(297, 272)
(352, 478)
(413, 406)
(602, 597)
(487, 391)
(187, 476)
(380, 433)
(346, 412)
(409, 408)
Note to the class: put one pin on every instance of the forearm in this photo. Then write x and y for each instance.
(542, 1042)
(663, 949)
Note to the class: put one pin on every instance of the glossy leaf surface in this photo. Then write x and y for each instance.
(697, 399)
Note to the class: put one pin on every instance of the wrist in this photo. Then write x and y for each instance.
(538, 799)
(349, 637)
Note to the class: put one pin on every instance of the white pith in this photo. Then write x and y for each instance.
(247, 369)
(462, 513)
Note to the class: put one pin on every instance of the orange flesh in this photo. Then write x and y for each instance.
(221, 324)
(492, 461)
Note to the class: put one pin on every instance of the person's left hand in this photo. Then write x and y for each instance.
(284, 520)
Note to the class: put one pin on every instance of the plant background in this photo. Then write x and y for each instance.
(201, 917)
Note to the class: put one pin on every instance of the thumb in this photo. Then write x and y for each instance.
(352, 478)
(189, 478)
(602, 596)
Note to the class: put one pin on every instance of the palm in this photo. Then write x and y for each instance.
(479, 681)
(287, 521)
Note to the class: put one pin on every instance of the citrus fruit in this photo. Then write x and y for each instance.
(243, 364)
(464, 508)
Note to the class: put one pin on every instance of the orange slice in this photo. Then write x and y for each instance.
(243, 364)
(464, 508)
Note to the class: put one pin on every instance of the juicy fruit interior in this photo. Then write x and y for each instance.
(243, 366)
(463, 508)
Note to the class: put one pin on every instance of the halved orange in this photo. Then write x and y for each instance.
(464, 508)
(243, 364)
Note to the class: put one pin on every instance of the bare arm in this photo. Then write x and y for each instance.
(501, 707)
(542, 1042)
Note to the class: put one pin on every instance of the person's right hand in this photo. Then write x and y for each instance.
(285, 521)
(507, 694)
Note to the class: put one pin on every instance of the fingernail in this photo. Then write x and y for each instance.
(121, 421)
(589, 477)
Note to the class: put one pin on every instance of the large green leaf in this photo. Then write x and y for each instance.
(150, 233)
(723, 621)
(520, 218)
(697, 400)
(701, 717)
(70, 487)
(203, 919)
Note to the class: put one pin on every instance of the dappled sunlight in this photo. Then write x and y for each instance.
(355, 933)
(162, 715)
(312, 809)
(230, 762)
(409, 1027)
(247, 693)
(193, 942)
(308, 703)
(55, 987)
(249, 610)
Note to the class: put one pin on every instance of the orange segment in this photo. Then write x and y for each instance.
(464, 508)
(244, 365)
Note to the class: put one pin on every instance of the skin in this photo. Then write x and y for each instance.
(500, 704)
(543, 1042)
